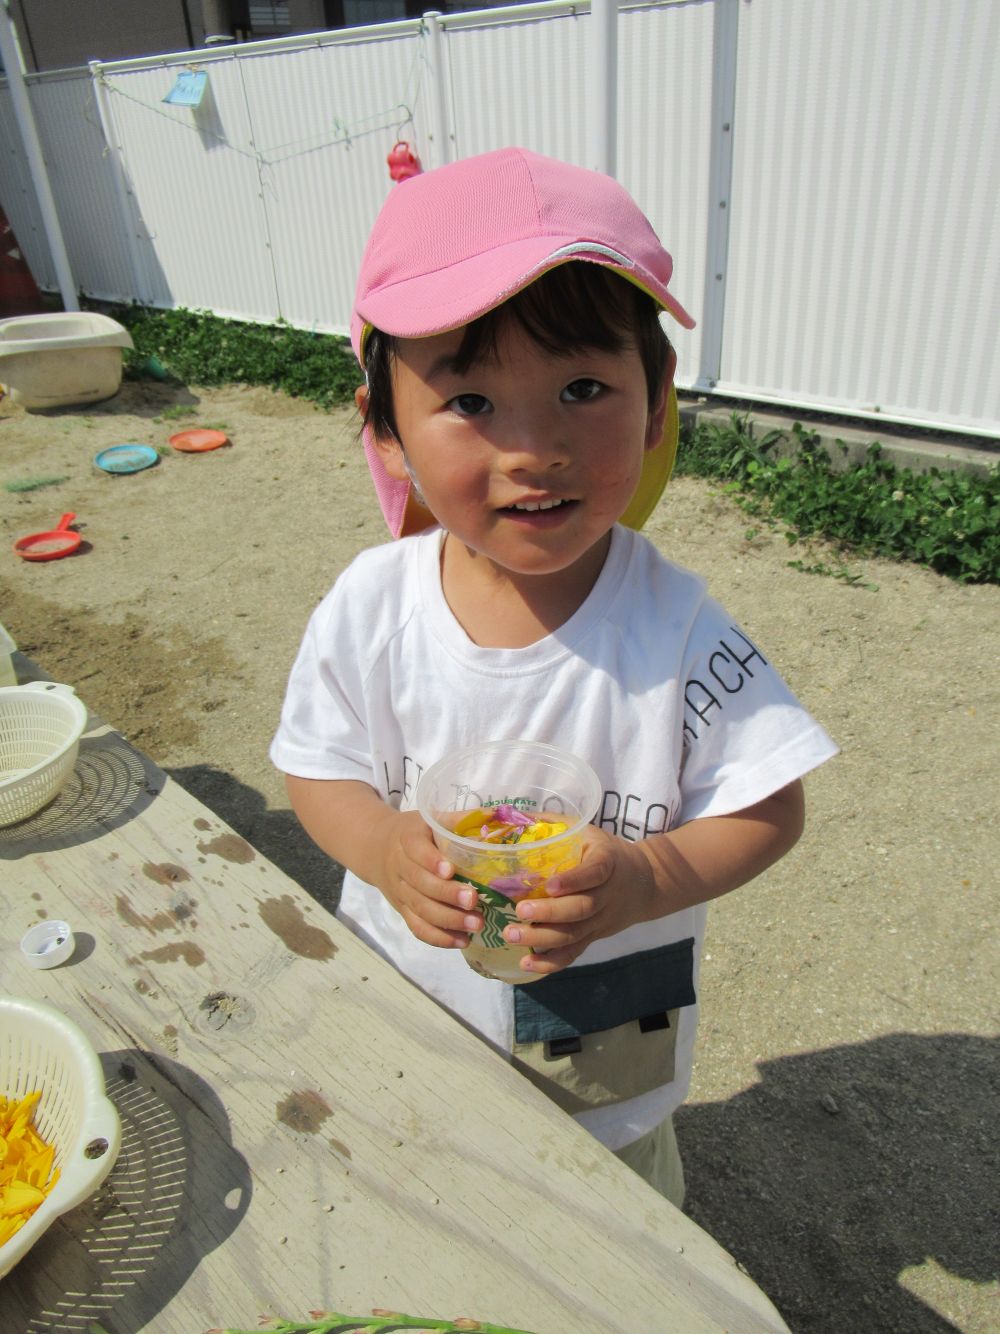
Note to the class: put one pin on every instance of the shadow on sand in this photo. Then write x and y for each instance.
(844, 1167)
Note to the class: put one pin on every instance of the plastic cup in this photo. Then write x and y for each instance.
(534, 778)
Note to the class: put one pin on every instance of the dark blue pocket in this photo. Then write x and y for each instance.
(591, 997)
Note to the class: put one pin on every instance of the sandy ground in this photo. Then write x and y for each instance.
(841, 1139)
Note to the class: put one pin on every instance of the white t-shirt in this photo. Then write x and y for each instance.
(649, 681)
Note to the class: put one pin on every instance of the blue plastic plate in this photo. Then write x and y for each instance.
(127, 458)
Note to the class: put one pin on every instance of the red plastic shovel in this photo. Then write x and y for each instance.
(50, 546)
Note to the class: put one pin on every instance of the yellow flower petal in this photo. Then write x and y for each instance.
(26, 1164)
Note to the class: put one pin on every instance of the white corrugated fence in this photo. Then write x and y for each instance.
(824, 174)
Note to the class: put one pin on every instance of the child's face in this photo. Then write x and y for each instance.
(529, 459)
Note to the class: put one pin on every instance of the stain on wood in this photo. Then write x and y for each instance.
(166, 873)
(161, 921)
(231, 848)
(182, 907)
(193, 955)
(285, 918)
(304, 1111)
(181, 910)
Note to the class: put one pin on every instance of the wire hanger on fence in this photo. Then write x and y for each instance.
(344, 132)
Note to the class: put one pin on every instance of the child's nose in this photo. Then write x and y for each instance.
(534, 446)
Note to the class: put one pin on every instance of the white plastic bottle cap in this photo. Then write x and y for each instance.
(48, 944)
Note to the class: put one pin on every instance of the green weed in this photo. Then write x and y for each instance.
(854, 577)
(197, 347)
(947, 521)
(32, 483)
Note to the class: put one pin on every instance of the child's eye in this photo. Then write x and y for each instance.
(579, 391)
(469, 405)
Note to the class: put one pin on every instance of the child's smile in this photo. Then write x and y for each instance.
(527, 459)
(539, 512)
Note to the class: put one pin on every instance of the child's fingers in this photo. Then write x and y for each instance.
(441, 906)
(444, 917)
(553, 924)
(432, 935)
(591, 872)
(436, 924)
(566, 909)
(551, 961)
(437, 908)
(546, 938)
(419, 846)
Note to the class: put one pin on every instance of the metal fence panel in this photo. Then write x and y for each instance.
(864, 251)
(324, 118)
(521, 82)
(823, 174)
(80, 171)
(664, 150)
(525, 81)
(194, 192)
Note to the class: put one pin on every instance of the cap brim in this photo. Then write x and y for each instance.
(418, 308)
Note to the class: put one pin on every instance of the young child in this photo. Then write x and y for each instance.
(518, 411)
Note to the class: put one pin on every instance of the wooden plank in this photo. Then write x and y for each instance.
(302, 1127)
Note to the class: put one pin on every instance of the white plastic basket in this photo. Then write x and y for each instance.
(41, 1049)
(40, 728)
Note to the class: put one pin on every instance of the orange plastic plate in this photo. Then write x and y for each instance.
(198, 441)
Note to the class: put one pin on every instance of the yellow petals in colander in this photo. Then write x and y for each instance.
(26, 1164)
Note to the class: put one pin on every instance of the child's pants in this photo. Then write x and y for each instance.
(656, 1158)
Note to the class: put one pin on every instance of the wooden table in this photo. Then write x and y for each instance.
(302, 1128)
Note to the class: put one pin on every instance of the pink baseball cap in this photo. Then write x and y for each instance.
(453, 243)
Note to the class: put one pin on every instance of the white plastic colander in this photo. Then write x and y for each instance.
(41, 1049)
(40, 728)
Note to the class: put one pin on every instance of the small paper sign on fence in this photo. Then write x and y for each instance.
(188, 89)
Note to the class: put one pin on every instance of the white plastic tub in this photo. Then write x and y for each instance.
(54, 361)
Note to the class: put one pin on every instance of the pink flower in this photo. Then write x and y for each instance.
(516, 886)
(511, 815)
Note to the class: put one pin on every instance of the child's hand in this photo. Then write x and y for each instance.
(618, 884)
(610, 890)
(417, 881)
(391, 849)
